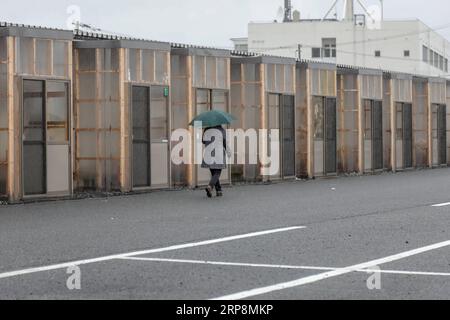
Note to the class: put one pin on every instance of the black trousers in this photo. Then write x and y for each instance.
(215, 179)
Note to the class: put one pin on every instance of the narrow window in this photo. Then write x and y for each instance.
(377, 53)
(407, 53)
(425, 54)
(316, 53)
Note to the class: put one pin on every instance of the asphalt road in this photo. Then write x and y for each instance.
(348, 225)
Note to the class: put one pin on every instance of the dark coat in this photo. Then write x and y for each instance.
(216, 166)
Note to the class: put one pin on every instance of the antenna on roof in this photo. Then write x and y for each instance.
(331, 9)
(349, 9)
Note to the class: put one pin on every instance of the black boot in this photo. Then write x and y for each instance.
(219, 193)
(208, 192)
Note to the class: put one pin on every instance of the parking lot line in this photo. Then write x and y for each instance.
(231, 264)
(441, 205)
(330, 274)
(288, 267)
(143, 252)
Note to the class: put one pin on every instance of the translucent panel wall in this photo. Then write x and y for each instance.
(387, 131)
(347, 123)
(97, 119)
(323, 82)
(3, 115)
(42, 57)
(246, 86)
(147, 66)
(438, 92)
(280, 78)
(371, 87)
(180, 107)
(301, 125)
(402, 90)
(210, 72)
(420, 123)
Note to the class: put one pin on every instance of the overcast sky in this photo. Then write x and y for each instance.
(205, 22)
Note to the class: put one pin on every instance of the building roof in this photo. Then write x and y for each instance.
(264, 59)
(27, 31)
(114, 44)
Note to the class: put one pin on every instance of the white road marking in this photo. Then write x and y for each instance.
(276, 266)
(441, 205)
(231, 264)
(143, 252)
(330, 274)
(411, 273)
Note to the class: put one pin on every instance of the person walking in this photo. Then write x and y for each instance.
(215, 163)
(213, 121)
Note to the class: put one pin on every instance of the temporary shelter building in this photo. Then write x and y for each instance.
(35, 108)
(448, 122)
(201, 82)
(420, 122)
(438, 122)
(122, 108)
(316, 120)
(262, 97)
(401, 98)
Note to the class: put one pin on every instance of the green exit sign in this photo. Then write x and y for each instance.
(166, 92)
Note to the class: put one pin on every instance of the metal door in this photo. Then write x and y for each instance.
(330, 136)
(207, 100)
(219, 101)
(318, 104)
(46, 142)
(141, 137)
(274, 110)
(377, 135)
(368, 135)
(34, 138)
(442, 134)
(407, 136)
(203, 104)
(159, 134)
(288, 136)
(57, 136)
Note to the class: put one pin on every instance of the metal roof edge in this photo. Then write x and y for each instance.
(28, 31)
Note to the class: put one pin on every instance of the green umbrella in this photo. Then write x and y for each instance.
(213, 118)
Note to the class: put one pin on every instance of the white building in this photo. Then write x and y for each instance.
(359, 40)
